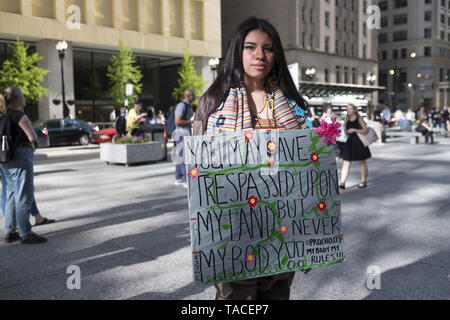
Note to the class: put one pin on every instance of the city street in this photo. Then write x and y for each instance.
(127, 230)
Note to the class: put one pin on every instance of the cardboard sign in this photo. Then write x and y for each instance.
(262, 203)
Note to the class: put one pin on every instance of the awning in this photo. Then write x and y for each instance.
(320, 89)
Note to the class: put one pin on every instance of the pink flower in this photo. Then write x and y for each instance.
(249, 136)
(253, 201)
(283, 229)
(193, 173)
(329, 131)
(250, 258)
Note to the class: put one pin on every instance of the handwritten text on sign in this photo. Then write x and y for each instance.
(262, 203)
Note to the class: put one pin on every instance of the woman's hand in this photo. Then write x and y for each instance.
(350, 131)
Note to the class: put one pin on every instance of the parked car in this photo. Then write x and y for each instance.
(102, 136)
(59, 132)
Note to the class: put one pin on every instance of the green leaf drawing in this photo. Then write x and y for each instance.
(285, 260)
(226, 226)
(224, 246)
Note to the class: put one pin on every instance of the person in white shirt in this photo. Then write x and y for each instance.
(410, 115)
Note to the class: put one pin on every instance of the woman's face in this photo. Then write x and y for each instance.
(350, 110)
(258, 56)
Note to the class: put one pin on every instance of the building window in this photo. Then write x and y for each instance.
(336, 48)
(443, 18)
(327, 75)
(384, 22)
(427, 52)
(303, 40)
(364, 51)
(154, 24)
(442, 35)
(401, 3)
(338, 75)
(401, 35)
(383, 5)
(428, 16)
(337, 23)
(327, 44)
(427, 33)
(383, 55)
(327, 19)
(382, 38)
(353, 75)
(400, 19)
(345, 75)
(197, 18)
(395, 54)
(311, 41)
(404, 53)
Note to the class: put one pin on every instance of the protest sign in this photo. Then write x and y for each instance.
(262, 203)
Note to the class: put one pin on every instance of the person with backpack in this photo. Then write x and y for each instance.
(17, 168)
(183, 122)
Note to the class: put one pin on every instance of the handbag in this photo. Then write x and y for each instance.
(369, 138)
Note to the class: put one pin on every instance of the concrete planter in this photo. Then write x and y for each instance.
(131, 153)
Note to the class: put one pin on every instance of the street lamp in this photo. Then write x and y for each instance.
(214, 64)
(62, 46)
(310, 73)
(372, 79)
(413, 55)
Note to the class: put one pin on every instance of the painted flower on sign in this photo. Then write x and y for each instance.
(253, 201)
(249, 136)
(193, 173)
(283, 229)
(322, 206)
(314, 157)
(329, 131)
(271, 146)
(250, 258)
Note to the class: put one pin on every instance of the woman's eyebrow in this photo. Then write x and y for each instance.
(253, 43)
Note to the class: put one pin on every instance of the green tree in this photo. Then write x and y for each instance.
(121, 72)
(22, 71)
(188, 79)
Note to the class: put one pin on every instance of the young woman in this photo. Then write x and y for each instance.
(353, 149)
(18, 172)
(253, 90)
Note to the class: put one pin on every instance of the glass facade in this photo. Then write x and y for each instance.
(91, 84)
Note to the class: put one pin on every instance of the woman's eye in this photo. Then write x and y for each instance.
(249, 47)
(269, 49)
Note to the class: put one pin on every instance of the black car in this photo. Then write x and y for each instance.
(60, 132)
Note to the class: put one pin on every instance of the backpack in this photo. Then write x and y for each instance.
(121, 125)
(170, 124)
(6, 140)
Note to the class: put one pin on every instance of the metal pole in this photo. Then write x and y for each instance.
(65, 108)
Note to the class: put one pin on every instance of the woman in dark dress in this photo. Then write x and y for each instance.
(354, 149)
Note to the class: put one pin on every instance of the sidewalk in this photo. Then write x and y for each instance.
(127, 230)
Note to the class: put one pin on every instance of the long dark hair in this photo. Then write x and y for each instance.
(231, 72)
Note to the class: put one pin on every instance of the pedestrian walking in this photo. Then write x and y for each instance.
(354, 150)
(446, 118)
(183, 122)
(18, 172)
(436, 118)
(253, 90)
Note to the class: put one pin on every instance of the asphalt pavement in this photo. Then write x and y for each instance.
(126, 230)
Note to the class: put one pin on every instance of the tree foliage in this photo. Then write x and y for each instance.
(22, 71)
(122, 71)
(188, 79)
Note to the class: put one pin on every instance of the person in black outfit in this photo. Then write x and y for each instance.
(354, 149)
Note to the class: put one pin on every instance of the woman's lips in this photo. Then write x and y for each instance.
(259, 66)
